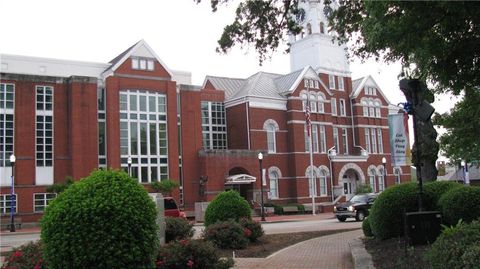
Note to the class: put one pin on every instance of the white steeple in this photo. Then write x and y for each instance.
(314, 45)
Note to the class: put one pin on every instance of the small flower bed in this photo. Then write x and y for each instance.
(28, 256)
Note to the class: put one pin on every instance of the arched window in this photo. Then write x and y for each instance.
(371, 108)
(377, 109)
(304, 101)
(323, 182)
(313, 103)
(271, 127)
(322, 28)
(312, 181)
(365, 108)
(273, 176)
(309, 29)
(321, 106)
(381, 180)
(371, 177)
(397, 173)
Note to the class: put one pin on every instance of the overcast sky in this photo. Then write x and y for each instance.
(183, 34)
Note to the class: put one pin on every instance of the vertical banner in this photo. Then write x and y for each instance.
(399, 139)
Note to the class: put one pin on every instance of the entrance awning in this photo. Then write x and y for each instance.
(240, 179)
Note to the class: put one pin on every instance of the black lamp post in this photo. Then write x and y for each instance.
(384, 162)
(260, 158)
(129, 162)
(12, 195)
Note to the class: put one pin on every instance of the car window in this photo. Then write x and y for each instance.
(170, 204)
(358, 198)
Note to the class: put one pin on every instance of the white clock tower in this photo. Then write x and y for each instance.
(314, 46)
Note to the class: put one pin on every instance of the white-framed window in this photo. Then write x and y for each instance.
(367, 140)
(309, 29)
(397, 172)
(144, 135)
(323, 182)
(6, 203)
(102, 127)
(317, 86)
(341, 85)
(365, 108)
(343, 112)
(374, 140)
(371, 177)
(7, 110)
(44, 126)
(377, 109)
(313, 104)
(214, 125)
(307, 140)
(333, 102)
(41, 200)
(271, 141)
(311, 175)
(314, 138)
(371, 109)
(143, 64)
(336, 141)
(304, 100)
(273, 176)
(321, 104)
(305, 83)
(380, 140)
(331, 82)
(345, 140)
(323, 141)
(381, 180)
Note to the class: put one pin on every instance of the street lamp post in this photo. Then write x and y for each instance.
(12, 195)
(260, 158)
(129, 162)
(384, 163)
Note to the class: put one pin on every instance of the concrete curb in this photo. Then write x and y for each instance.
(361, 258)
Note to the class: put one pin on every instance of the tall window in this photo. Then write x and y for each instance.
(143, 134)
(377, 110)
(214, 125)
(6, 203)
(309, 29)
(341, 86)
(345, 140)
(102, 128)
(380, 140)
(314, 138)
(304, 99)
(312, 181)
(322, 28)
(365, 108)
(335, 139)
(271, 141)
(323, 182)
(381, 180)
(397, 173)
(371, 109)
(41, 200)
(342, 108)
(7, 107)
(367, 140)
(374, 140)
(321, 106)
(273, 176)
(44, 126)
(331, 82)
(307, 140)
(323, 141)
(334, 106)
(371, 176)
(313, 103)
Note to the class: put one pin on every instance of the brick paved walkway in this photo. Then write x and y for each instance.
(329, 252)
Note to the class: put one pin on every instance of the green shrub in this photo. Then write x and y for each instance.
(367, 229)
(227, 234)
(363, 188)
(177, 229)
(25, 256)
(456, 247)
(460, 203)
(191, 254)
(434, 190)
(165, 186)
(277, 209)
(106, 220)
(227, 205)
(255, 229)
(386, 214)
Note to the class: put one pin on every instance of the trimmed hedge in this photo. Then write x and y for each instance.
(227, 234)
(227, 205)
(386, 214)
(457, 247)
(367, 229)
(106, 220)
(460, 203)
(434, 190)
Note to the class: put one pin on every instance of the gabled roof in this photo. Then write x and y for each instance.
(136, 48)
(359, 84)
(229, 85)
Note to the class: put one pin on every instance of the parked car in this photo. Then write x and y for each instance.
(171, 208)
(357, 207)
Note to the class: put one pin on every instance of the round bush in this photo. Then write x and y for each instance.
(456, 247)
(227, 234)
(191, 254)
(106, 220)
(386, 214)
(367, 229)
(177, 229)
(254, 231)
(227, 205)
(460, 203)
(434, 190)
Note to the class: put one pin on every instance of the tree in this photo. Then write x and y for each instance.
(462, 138)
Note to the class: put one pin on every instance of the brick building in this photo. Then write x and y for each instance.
(65, 118)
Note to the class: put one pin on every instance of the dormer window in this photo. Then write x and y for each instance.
(143, 64)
